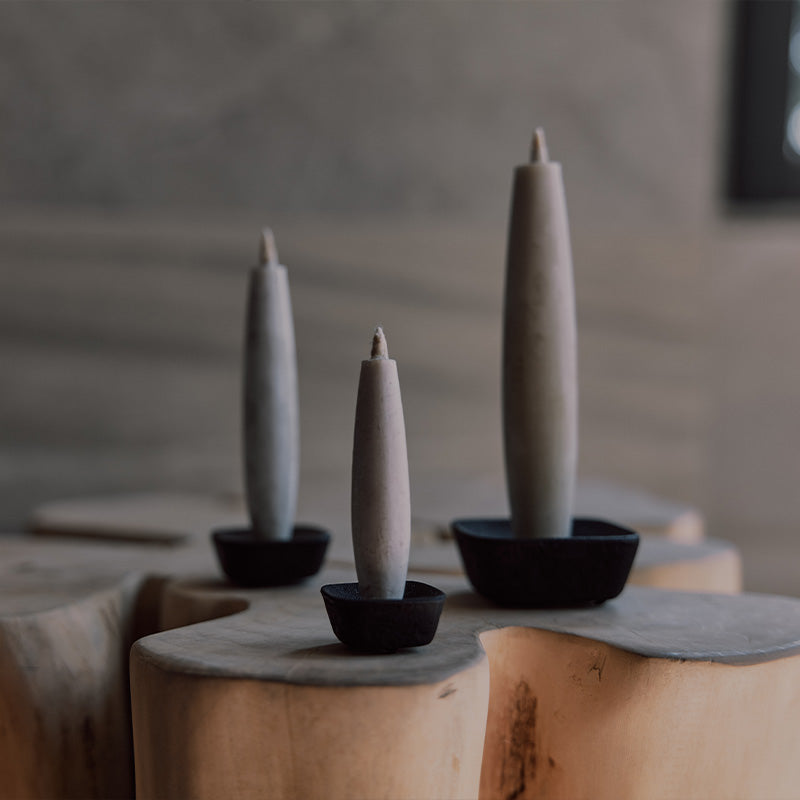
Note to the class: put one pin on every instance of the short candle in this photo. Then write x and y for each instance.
(380, 499)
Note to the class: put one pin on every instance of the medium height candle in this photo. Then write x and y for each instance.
(270, 409)
(381, 499)
(539, 359)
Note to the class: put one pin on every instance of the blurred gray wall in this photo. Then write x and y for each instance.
(144, 136)
(409, 108)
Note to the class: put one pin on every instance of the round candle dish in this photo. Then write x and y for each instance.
(383, 625)
(583, 569)
(248, 561)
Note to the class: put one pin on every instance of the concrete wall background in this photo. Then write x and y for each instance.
(129, 120)
(351, 107)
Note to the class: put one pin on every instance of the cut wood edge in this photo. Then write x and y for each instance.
(571, 717)
(189, 603)
(207, 738)
(65, 726)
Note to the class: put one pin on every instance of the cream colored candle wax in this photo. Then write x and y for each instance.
(381, 500)
(539, 359)
(270, 408)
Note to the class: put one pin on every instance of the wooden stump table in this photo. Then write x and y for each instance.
(656, 694)
(71, 608)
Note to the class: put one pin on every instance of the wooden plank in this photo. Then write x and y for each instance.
(147, 517)
(165, 516)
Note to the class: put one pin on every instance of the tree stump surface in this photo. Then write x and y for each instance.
(70, 609)
(523, 703)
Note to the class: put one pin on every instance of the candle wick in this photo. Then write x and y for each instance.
(379, 348)
(539, 147)
(267, 250)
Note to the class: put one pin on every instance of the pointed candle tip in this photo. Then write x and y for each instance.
(539, 147)
(267, 250)
(379, 349)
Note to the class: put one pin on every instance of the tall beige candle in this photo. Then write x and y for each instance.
(270, 408)
(539, 359)
(381, 499)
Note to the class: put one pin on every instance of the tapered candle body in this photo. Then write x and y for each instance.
(539, 358)
(270, 409)
(381, 499)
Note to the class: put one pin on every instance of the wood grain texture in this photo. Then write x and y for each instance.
(214, 738)
(569, 692)
(64, 714)
(574, 718)
(68, 616)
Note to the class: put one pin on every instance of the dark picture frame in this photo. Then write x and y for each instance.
(759, 170)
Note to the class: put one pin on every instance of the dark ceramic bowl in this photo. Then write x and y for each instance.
(248, 561)
(383, 626)
(583, 569)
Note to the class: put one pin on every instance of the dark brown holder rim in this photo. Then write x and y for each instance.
(381, 625)
(584, 569)
(252, 562)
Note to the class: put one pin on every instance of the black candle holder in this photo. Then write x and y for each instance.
(383, 625)
(249, 561)
(584, 569)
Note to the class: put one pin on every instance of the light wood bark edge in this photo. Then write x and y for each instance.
(573, 718)
(64, 705)
(199, 737)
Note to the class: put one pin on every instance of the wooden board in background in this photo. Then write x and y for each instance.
(172, 517)
(664, 560)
